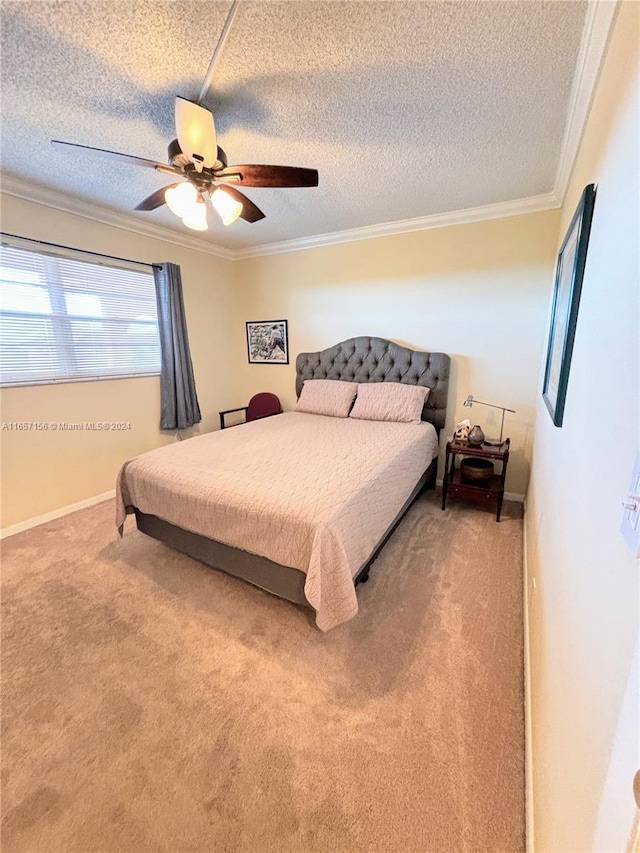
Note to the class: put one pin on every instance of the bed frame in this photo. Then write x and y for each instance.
(360, 359)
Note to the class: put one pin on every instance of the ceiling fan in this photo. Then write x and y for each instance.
(204, 178)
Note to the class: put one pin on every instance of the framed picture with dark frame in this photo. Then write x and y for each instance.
(566, 301)
(267, 342)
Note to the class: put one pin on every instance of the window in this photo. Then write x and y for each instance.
(66, 320)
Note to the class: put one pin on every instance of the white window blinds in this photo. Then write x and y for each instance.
(65, 320)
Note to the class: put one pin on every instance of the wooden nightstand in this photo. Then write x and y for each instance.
(492, 490)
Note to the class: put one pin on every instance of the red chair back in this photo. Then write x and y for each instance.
(262, 405)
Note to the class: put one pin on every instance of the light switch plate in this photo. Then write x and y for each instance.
(631, 517)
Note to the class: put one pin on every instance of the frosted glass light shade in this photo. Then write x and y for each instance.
(228, 208)
(197, 217)
(196, 133)
(181, 199)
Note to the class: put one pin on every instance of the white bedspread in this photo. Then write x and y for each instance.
(310, 492)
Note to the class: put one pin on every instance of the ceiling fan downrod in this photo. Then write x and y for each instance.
(218, 49)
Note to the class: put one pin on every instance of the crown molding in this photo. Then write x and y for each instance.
(501, 210)
(595, 37)
(10, 185)
(79, 207)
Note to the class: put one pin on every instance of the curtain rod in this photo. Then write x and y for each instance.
(81, 251)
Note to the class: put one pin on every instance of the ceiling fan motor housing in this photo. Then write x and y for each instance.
(177, 158)
(175, 155)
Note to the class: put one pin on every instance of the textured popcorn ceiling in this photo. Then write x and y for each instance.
(405, 108)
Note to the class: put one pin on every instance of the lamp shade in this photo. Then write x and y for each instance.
(196, 219)
(228, 208)
(196, 133)
(181, 199)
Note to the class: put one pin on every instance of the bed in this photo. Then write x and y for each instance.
(298, 504)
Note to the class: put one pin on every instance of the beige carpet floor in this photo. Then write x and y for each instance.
(153, 704)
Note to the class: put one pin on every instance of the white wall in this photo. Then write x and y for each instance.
(44, 471)
(584, 612)
(476, 291)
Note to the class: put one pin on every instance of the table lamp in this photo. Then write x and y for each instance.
(493, 442)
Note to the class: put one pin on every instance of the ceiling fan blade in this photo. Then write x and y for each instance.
(250, 211)
(156, 199)
(269, 176)
(196, 133)
(114, 155)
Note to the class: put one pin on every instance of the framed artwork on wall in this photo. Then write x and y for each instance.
(566, 301)
(267, 342)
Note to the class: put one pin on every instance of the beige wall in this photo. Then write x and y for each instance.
(477, 292)
(44, 471)
(481, 293)
(584, 611)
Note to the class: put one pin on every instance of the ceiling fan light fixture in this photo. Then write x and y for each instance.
(196, 218)
(228, 208)
(181, 199)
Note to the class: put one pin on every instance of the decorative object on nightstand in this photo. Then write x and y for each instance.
(465, 481)
(462, 430)
(476, 436)
(476, 470)
(494, 442)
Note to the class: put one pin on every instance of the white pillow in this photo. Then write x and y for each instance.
(327, 397)
(390, 401)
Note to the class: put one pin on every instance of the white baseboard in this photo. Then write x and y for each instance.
(528, 729)
(634, 838)
(96, 499)
(56, 513)
(508, 496)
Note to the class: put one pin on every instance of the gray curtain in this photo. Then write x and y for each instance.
(179, 402)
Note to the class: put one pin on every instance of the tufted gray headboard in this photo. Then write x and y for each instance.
(365, 359)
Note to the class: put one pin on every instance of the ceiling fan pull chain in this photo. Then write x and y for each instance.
(216, 53)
